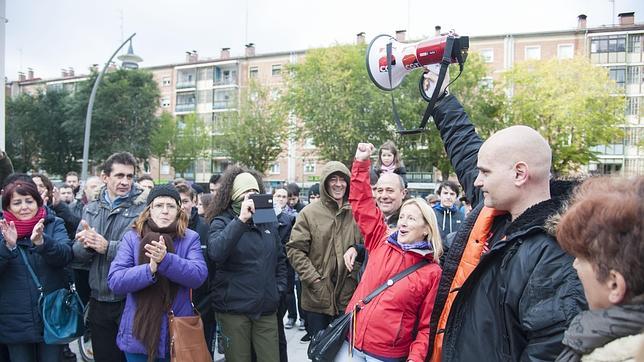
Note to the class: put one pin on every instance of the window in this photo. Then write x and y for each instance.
(165, 167)
(634, 44)
(275, 169)
(565, 51)
(165, 102)
(166, 81)
(309, 143)
(487, 55)
(634, 75)
(204, 73)
(309, 167)
(608, 44)
(253, 72)
(632, 106)
(617, 44)
(486, 83)
(618, 75)
(276, 70)
(533, 52)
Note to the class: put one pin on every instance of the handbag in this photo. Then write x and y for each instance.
(61, 310)
(187, 340)
(324, 346)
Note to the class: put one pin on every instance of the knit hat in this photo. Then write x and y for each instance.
(164, 190)
(244, 182)
(314, 190)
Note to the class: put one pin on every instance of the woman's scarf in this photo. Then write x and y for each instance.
(592, 329)
(421, 245)
(25, 227)
(153, 302)
(388, 169)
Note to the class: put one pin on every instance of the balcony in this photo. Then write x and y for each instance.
(420, 177)
(226, 104)
(189, 107)
(224, 81)
(184, 85)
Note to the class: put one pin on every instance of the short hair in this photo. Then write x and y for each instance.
(123, 158)
(21, 187)
(214, 178)
(293, 189)
(603, 226)
(145, 177)
(65, 186)
(401, 180)
(451, 184)
(17, 176)
(71, 173)
(185, 189)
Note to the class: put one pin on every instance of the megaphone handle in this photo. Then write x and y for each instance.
(393, 103)
(447, 59)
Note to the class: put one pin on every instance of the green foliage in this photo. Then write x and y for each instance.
(571, 103)
(339, 105)
(123, 117)
(330, 91)
(22, 140)
(254, 135)
(190, 140)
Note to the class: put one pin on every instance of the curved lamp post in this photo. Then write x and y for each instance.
(130, 61)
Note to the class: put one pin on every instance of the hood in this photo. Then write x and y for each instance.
(440, 208)
(330, 168)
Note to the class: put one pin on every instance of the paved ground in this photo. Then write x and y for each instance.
(296, 349)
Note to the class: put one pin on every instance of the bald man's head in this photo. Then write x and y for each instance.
(511, 163)
(390, 192)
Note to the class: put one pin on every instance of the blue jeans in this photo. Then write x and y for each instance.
(136, 357)
(358, 356)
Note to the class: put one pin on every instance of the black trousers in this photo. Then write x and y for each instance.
(316, 322)
(290, 292)
(104, 319)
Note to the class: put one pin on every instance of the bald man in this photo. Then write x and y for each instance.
(508, 291)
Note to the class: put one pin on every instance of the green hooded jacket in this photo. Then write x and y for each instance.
(321, 234)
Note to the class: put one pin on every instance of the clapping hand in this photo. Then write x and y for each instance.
(156, 251)
(91, 239)
(9, 233)
(37, 233)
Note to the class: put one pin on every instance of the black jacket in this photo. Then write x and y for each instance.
(200, 295)
(524, 292)
(20, 320)
(250, 266)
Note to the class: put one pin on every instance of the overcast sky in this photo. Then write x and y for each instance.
(48, 35)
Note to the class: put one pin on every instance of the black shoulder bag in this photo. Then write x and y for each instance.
(326, 343)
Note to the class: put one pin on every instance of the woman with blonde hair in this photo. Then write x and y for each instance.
(156, 265)
(395, 324)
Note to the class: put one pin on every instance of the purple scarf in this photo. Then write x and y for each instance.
(422, 245)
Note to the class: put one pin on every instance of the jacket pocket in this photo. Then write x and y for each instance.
(319, 294)
(400, 333)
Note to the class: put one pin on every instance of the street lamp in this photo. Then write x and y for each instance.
(130, 61)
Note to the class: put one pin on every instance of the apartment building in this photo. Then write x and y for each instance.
(616, 47)
(211, 87)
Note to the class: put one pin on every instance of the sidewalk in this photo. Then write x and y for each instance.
(296, 349)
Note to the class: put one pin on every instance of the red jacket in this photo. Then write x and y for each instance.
(385, 326)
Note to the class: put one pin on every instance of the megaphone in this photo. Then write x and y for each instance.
(389, 61)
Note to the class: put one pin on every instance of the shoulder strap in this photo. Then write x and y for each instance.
(393, 280)
(31, 271)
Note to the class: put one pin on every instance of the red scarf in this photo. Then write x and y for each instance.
(25, 227)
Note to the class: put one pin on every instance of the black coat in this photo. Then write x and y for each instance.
(523, 294)
(250, 266)
(20, 320)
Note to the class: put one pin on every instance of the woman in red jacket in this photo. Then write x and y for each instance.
(394, 326)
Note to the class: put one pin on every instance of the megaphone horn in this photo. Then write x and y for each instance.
(406, 57)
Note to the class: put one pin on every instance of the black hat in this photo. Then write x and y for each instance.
(164, 190)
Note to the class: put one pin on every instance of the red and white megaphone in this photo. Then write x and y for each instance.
(406, 57)
(389, 61)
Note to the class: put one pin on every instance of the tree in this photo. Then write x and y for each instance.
(330, 91)
(22, 140)
(254, 135)
(572, 103)
(189, 141)
(339, 105)
(123, 117)
(161, 139)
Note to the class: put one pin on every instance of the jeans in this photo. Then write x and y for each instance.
(35, 352)
(136, 357)
(358, 356)
(104, 319)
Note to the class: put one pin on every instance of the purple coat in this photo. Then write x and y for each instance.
(186, 267)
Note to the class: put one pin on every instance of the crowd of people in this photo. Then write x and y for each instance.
(511, 264)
